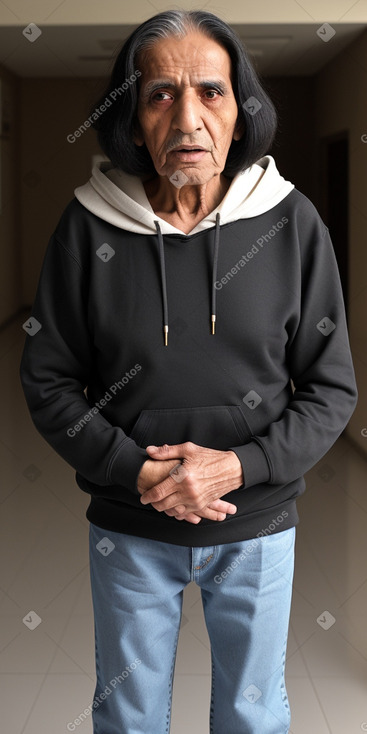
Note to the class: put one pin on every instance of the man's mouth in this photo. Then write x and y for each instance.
(189, 154)
(189, 148)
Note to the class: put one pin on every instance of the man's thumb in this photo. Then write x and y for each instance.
(162, 452)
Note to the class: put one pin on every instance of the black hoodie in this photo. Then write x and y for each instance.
(275, 383)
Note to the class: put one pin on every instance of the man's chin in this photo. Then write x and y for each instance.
(190, 175)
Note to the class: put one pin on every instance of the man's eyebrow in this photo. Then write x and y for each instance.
(169, 84)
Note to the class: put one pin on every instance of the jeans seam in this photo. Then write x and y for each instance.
(95, 725)
(170, 685)
(211, 716)
(283, 689)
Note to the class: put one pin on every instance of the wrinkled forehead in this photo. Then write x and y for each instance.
(188, 61)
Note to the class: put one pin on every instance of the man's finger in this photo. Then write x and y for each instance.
(176, 451)
(207, 515)
(190, 517)
(223, 506)
(161, 507)
(159, 491)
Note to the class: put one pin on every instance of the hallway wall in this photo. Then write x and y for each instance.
(294, 145)
(51, 167)
(10, 280)
(340, 104)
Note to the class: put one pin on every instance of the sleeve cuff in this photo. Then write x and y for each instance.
(254, 463)
(127, 464)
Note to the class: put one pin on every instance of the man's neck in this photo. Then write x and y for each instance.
(184, 207)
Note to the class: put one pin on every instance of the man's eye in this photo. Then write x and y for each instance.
(160, 94)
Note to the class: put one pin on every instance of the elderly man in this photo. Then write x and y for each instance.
(190, 359)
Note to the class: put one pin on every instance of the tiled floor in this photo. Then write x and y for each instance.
(47, 673)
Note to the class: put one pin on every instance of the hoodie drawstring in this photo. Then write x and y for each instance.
(214, 276)
(164, 278)
(164, 283)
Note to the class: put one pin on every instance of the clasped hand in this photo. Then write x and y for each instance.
(187, 481)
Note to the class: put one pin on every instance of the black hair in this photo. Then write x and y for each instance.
(116, 124)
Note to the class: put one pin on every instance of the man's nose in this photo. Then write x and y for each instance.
(188, 112)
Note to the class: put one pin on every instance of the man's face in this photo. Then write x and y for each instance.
(176, 108)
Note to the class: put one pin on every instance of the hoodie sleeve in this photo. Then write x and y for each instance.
(320, 365)
(54, 371)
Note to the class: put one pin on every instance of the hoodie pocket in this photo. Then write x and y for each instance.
(216, 427)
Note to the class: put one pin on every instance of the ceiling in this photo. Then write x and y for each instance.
(88, 51)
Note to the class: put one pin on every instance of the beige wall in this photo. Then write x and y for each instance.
(10, 282)
(340, 104)
(51, 167)
(115, 11)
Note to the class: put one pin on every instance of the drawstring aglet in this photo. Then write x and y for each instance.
(213, 323)
(165, 335)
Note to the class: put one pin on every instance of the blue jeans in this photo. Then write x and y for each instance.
(137, 589)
